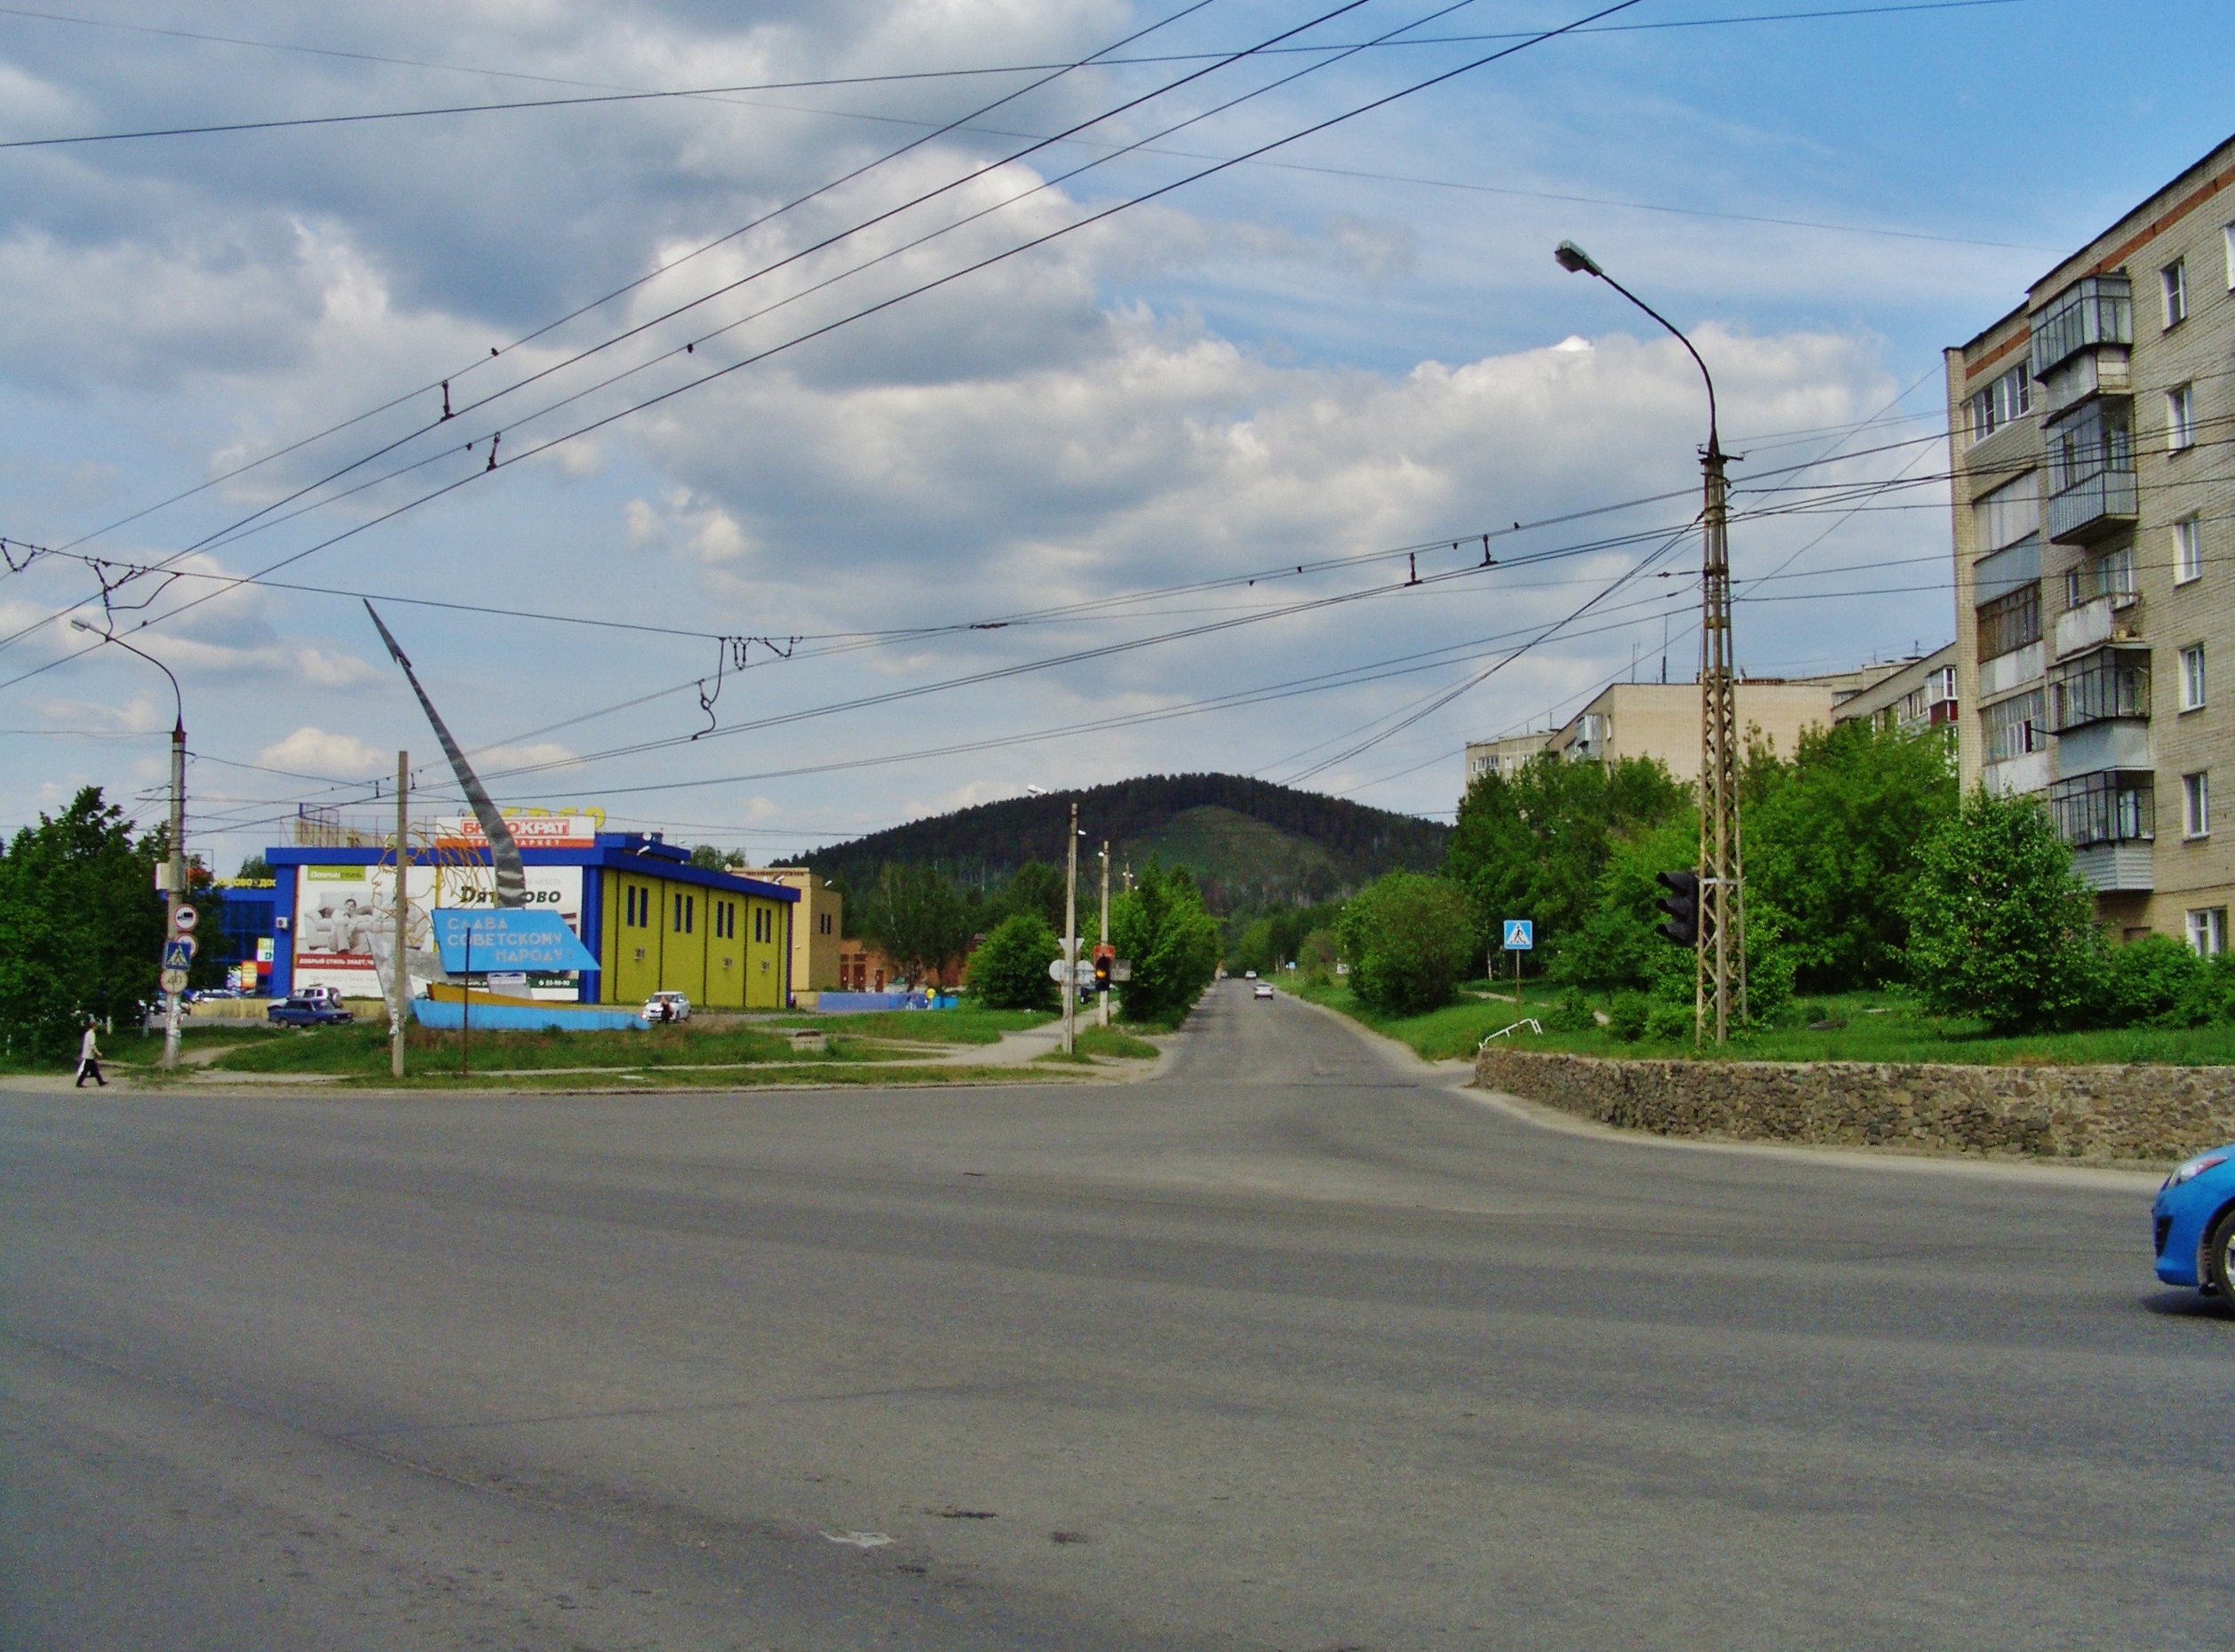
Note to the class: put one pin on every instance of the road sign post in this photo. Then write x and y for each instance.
(1521, 936)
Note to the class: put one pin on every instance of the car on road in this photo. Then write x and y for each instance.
(1249, 975)
(2193, 1223)
(303, 1011)
(1264, 989)
(667, 1007)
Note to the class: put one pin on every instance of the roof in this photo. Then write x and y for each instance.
(620, 852)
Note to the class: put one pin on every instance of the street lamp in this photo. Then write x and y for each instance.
(177, 881)
(1721, 896)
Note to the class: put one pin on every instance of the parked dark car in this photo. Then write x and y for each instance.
(306, 1012)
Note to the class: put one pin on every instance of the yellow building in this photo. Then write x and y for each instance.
(818, 921)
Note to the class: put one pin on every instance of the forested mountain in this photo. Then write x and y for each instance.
(1250, 843)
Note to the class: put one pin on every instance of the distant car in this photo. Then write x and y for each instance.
(306, 1011)
(208, 994)
(2193, 1223)
(667, 1006)
(1264, 989)
(1249, 975)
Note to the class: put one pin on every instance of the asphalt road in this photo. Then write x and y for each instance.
(1296, 1347)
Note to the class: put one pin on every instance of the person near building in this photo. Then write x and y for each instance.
(89, 1059)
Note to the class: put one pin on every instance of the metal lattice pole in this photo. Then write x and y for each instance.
(1721, 941)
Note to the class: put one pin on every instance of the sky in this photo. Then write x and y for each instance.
(920, 409)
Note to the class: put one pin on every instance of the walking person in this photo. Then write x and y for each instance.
(89, 1059)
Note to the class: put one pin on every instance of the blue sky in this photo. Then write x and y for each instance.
(1363, 347)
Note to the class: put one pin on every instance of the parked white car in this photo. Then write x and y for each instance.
(667, 1007)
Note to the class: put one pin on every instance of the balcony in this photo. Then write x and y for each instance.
(2114, 807)
(2117, 867)
(2106, 685)
(2091, 313)
(2094, 507)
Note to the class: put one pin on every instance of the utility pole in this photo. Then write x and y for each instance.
(1103, 1016)
(1721, 952)
(177, 893)
(399, 980)
(177, 890)
(1070, 938)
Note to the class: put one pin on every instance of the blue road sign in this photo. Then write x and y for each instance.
(1520, 934)
(508, 939)
(178, 954)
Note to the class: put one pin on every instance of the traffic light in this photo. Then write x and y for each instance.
(1105, 959)
(1682, 903)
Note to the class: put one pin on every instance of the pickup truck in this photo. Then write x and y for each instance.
(301, 1011)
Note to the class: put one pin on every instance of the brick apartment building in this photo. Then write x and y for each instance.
(2094, 498)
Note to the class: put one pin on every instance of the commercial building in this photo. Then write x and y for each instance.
(818, 927)
(653, 921)
(1913, 697)
(2094, 503)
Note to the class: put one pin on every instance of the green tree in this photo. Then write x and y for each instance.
(707, 858)
(81, 925)
(1037, 888)
(1999, 926)
(255, 869)
(1533, 845)
(1009, 969)
(1159, 927)
(912, 915)
(1618, 944)
(1831, 844)
(1409, 940)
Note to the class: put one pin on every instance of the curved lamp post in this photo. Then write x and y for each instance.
(1720, 952)
(177, 892)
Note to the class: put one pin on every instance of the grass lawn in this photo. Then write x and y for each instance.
(362, 1050)
(1877, 1027)
(960, 1026)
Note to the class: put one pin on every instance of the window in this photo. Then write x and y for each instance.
(2193, 676)
(2011, 621)
(2196, 804)
(2174, 279)
(2227, 237)
(2014, 727)
(2096, 438)
(2180, 418)
(683, 913)
(2188, 551)
(823, 922)
(2011, 513)
(2207, 930)
(2008, 397)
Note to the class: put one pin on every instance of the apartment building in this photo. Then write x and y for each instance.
(1662, 719)
(2094, 553)
(1502, 756)
(1913, 697)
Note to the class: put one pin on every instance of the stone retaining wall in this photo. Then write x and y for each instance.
(2150, 1112)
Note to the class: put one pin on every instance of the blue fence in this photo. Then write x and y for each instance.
(853, 1003)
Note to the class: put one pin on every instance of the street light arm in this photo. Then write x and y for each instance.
(1576, 261)
(1714, 443)
(178, 700)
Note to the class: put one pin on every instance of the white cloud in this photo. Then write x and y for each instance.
(312, 751)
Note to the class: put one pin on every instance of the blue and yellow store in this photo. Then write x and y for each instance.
(654, 922)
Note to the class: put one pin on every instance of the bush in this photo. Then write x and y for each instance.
(1999, 926)
(2151, 982)
(1669, 1022)
(2210, 996)
(1571, 1014)
(1627, 1019)
(1009, 969)
(1409, 940)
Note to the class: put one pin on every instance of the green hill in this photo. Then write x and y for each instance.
(1249, 843)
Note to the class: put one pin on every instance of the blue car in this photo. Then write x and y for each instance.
(2194, 1223)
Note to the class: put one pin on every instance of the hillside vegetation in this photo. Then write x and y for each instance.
(1248, 843)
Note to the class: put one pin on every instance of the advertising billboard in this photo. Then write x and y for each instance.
(345, 924)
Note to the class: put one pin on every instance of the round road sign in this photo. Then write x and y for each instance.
(173, 981)
(185, 917)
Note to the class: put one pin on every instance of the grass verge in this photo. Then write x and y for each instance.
(1867, 1027)
(960, 1026)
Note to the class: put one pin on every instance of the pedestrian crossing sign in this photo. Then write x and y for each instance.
(1520, 934)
